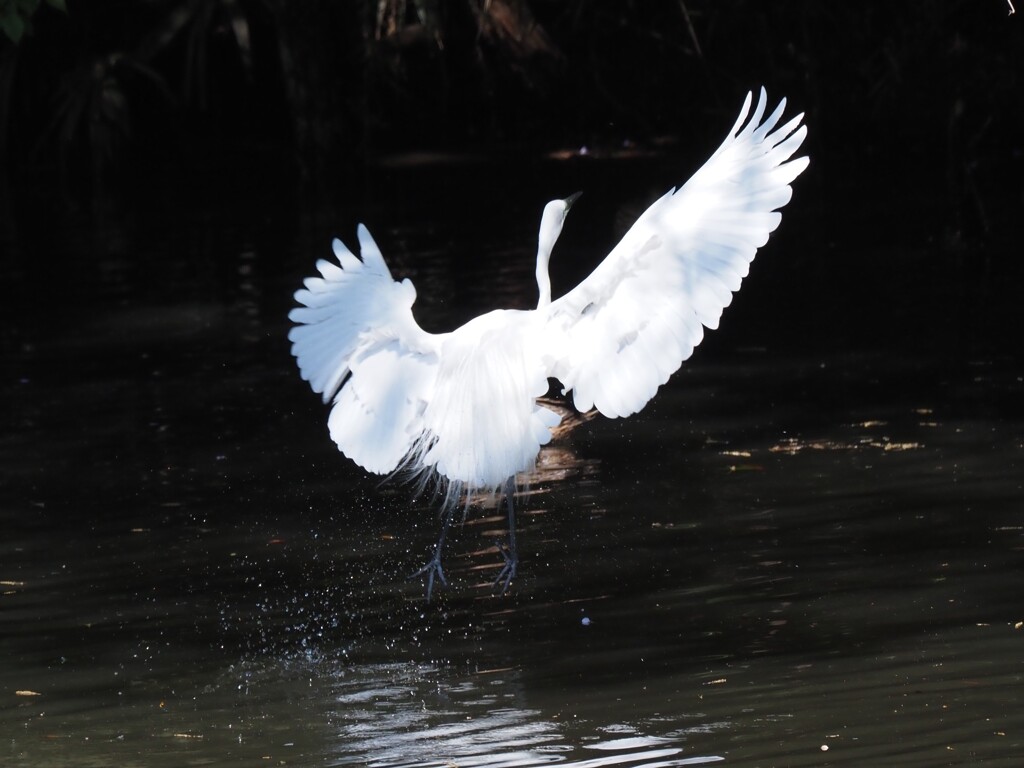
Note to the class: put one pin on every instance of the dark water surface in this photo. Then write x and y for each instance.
(801, 553)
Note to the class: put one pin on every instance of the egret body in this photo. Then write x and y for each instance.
(461, 407)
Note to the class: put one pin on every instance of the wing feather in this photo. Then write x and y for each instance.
(619, 335)
(355, 340)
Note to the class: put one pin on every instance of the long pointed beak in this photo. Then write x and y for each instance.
(571, 199)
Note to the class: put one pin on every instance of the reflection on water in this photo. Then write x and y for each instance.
(404, 715)
(787, 559)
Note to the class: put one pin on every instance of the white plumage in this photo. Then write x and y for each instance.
(463, 405)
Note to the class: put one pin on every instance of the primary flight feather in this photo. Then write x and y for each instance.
(463, 406)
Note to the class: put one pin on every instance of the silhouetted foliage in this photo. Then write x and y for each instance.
(313, 89)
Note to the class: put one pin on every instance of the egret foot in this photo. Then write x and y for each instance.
(510, 553)
(508, 571)
(433, 567)
(431, 570)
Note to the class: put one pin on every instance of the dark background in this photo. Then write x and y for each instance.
(267, 109)
(919, 101)
(822, 505)
(203, 151)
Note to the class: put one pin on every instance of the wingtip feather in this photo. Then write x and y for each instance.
(744, 111)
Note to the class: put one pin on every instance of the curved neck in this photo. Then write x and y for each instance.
(543, 280)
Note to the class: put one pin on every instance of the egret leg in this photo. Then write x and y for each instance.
(433, 567)
(510, 553)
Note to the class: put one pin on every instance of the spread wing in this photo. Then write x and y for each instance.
(355, 339)
(620, 334)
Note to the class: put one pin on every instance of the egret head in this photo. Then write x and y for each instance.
(551, 222)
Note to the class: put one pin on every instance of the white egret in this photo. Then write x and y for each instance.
(461, 407)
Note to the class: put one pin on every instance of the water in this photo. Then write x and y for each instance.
(801, 553)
